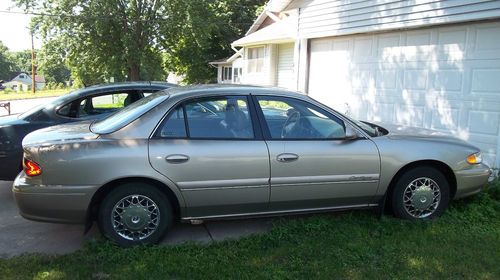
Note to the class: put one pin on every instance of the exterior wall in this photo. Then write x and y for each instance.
(321, 18)
(22, 82)
(22, 86)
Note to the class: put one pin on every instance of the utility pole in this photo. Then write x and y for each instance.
(33, 82)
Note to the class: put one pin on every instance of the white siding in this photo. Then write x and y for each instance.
(285, 68)
(321, 18)
(444, 78)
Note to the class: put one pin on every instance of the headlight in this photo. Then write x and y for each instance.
(475, 158)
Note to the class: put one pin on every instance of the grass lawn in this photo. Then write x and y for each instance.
(4, 96)
(463, 244)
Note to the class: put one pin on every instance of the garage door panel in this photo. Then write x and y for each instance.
(485, 81)
(445, 118)
(415, 79)
(448, 80)
(445, 78)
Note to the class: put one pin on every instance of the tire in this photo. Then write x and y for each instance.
(421, 193)
(146, 215)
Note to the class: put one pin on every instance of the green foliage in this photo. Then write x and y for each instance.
(202, 31)
(463, 244)
(137, 39)
(51, 62)
(6, 64)
(22, 61)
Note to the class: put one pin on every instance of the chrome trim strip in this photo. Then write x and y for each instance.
(224, 188)
(325, 179)
(323, 183)
(223, 183)
(281, 212)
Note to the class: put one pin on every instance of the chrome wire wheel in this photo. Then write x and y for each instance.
(421, 197)
(135, 217)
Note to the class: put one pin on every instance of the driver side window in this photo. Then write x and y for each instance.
(289, 118)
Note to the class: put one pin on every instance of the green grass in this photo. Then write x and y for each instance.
(463, 244)
(14, 95)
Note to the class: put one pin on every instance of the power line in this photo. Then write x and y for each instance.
(105, 17)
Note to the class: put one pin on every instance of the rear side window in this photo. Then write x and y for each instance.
(214, 118)
(106, 103)
(175, 126)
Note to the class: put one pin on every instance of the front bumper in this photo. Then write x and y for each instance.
(471, 181)
(52, 203)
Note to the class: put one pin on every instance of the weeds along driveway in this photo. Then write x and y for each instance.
(19, 236)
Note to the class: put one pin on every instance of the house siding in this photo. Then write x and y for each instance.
(322, 18)
(285, 69)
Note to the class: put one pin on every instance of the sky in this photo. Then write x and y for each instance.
(14, 31)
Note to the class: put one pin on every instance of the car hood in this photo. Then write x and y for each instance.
(65, 133)
(408, 132)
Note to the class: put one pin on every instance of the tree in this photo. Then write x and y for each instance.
(21, 61)
(51, 63)
(129, 39)
(101, 39)
(5, 63)
(202, 31)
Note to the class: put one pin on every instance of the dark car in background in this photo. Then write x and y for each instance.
(88, 103)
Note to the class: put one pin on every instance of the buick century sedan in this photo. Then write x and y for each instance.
(213, 152)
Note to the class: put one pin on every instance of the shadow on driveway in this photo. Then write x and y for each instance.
(19, 236)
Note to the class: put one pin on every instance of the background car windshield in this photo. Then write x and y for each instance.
(125, 116)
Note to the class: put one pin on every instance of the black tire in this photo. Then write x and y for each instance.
(135, 195)
(417, 176)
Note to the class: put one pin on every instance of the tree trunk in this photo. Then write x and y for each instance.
(134, 72)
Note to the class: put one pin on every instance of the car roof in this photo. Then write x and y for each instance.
(111, 86)
(217, 89)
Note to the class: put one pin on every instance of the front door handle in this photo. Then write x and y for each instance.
(176, 159)
(287, 157)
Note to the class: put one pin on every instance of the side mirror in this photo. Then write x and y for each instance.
(350, 133)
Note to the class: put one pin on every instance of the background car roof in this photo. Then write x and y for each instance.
(111, 86)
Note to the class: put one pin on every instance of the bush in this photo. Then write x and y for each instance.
(8, 90)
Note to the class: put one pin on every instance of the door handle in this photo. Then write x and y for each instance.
(176, 159)
(287, 157)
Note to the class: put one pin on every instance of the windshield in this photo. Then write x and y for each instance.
(128, 114)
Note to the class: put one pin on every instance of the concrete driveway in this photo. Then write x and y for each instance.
(19, 236)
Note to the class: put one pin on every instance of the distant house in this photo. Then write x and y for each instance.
(22, 82)
(432, 63)
(229, 70)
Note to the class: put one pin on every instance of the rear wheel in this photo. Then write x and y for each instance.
(420, 193)
(134, 214)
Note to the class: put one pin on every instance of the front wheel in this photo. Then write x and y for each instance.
(134, 214)
(420, 193)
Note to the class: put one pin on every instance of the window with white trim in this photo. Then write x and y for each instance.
(256, 59)
(237, 74)
(227, 73)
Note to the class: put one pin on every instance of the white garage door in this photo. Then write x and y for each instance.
(285, 76)
(444, 78)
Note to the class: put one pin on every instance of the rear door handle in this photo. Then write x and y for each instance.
(287, 157)
(176, 159)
